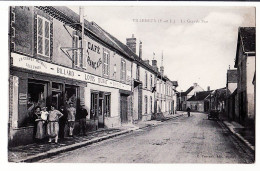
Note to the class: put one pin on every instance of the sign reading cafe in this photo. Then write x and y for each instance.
(49, 68)
(91, 62)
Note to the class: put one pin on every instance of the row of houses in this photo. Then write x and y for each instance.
(240, 84)
(236, 101)
(57, 57)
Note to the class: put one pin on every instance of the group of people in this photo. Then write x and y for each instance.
(52, 123)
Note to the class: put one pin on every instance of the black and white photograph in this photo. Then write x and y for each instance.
(131, 84)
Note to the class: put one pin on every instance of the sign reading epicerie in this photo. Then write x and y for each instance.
(48, 68)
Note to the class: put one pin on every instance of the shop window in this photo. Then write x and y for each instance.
(37, 93)
(71, 95)
(43, 36)
(57, 95)
(123, 70)
(94, 105)
(107, 105)
(145, 104)
(106, 63)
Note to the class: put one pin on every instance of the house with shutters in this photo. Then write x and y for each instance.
(59, 58)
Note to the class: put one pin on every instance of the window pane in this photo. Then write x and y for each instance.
(47, 47)
(47, 29)
(40, 44)
(39, 26)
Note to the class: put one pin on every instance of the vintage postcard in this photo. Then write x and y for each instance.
(132, 84)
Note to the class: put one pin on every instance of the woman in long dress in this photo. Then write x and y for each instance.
(40, 124)
(53, 124)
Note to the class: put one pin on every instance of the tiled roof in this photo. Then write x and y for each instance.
(232, 76)
(187, 91)
(70, 16)
(248, 38)
(199, 96)
(90, 26)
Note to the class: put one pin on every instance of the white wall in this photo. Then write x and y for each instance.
(250, 87)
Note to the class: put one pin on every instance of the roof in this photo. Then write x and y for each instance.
(232, 76)
(68, 16)
(247, 35)
(246, 38)
(199, 96)
(187, 91)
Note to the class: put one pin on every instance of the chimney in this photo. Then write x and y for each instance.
(208, 88)
(154, 64)
(195, 84)
(140, 50)
(146, 61)
(131, 43)
(162, 70)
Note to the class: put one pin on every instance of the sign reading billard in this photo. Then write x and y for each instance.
(29, 63)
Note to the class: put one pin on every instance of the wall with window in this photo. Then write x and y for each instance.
(42, 36)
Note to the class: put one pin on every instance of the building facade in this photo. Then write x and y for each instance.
(41, 74)
(245, 64)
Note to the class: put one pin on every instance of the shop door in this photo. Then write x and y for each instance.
(101, 110)
(123, 107)
(56, 95)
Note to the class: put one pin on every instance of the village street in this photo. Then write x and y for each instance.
(184, 140)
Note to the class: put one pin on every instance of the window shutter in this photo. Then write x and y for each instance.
(39, 37)
(108, 63)
(84, 55)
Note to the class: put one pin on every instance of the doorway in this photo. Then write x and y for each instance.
(123, 108)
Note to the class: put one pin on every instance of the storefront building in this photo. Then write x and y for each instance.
(48, 67)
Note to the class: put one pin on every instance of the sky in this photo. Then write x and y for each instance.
(197, 43)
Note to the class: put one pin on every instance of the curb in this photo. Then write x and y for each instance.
(71, 147)
(239, 137)
(68, 148)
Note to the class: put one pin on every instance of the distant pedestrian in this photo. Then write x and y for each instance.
(71, 118)
(62, 122)
(82, 115)
(188, 111)
(53, 124)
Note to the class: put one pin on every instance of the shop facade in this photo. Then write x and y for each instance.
(41, 74)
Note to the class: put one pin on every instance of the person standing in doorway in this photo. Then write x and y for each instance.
(188, 111)
(82, 115)
(71, 118)
(53, 124)
(62, 121)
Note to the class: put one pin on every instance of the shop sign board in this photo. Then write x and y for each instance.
(38, 65)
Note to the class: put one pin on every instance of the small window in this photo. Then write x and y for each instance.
(105, 63)
(43, 36)
(151, 86)
(151, 100)
(123, 70)
(146, 80)
(76, 51)
(145, 104)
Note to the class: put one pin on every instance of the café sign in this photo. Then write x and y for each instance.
(53, 69)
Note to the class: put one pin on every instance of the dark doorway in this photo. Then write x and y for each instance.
(123, 108)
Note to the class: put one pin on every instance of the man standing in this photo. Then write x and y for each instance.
(71, 118)
(188, 111)
(82, 114)
(62, 121)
